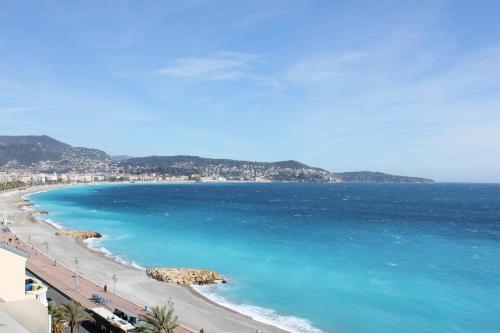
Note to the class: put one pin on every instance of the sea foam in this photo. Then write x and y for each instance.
(95, 245)
(54, 224)
(265, 315)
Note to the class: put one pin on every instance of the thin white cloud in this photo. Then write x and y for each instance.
(240, 56)
(221, 66)
(211, 69)
(322, 68)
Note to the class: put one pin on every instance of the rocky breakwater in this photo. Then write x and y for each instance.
(79, 234)
(40, 212)
(24, 203)
(35, 213)
(185, 276)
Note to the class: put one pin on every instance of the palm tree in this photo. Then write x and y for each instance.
(159, 319)
(52, 307)
(58, 323)
(74, 313)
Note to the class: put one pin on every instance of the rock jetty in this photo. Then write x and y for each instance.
(24, 203)
(79, 234)
(40, 212)
(185, 276)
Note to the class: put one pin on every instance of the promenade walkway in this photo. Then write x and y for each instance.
(74, 286)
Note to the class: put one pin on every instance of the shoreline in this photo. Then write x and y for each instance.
(195, 310)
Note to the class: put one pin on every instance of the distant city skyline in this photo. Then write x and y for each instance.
(403, 88)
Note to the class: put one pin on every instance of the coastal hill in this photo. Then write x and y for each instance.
(369, 176)
(200, 167)
(44, 154)
(30, 149)
(236, 169)
(196, 161)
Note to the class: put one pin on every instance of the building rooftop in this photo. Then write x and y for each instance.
(8, 324)
(112, 318)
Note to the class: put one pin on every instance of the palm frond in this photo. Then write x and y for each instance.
(58, 322)
(74, 313)
(160, 319)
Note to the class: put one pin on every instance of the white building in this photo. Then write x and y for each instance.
(63, 178)
(99, 178)
(40, 178)
(21, 311)
(4, 178)
(87, 178)
(73, 178)
(25, 179)
(51, 178)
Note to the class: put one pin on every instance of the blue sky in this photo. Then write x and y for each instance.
(404, 87)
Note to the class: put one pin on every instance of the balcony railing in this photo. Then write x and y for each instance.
(33, 286)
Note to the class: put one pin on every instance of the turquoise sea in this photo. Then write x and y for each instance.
(353, 258)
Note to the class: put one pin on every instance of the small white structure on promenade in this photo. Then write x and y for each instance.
(20, 311)
(111, 319)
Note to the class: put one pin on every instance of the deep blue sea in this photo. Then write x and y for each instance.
(353, 258)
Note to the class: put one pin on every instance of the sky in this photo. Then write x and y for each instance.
(404, 87)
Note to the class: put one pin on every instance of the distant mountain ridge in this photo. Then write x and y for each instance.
(119, 158)
(197, 161)
(45, 154)
(30, 149)
(195, 166)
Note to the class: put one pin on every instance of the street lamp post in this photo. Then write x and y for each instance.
(76, 272)
(115, 278)
(46, 246)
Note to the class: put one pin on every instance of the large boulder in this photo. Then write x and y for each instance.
(185, 276)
